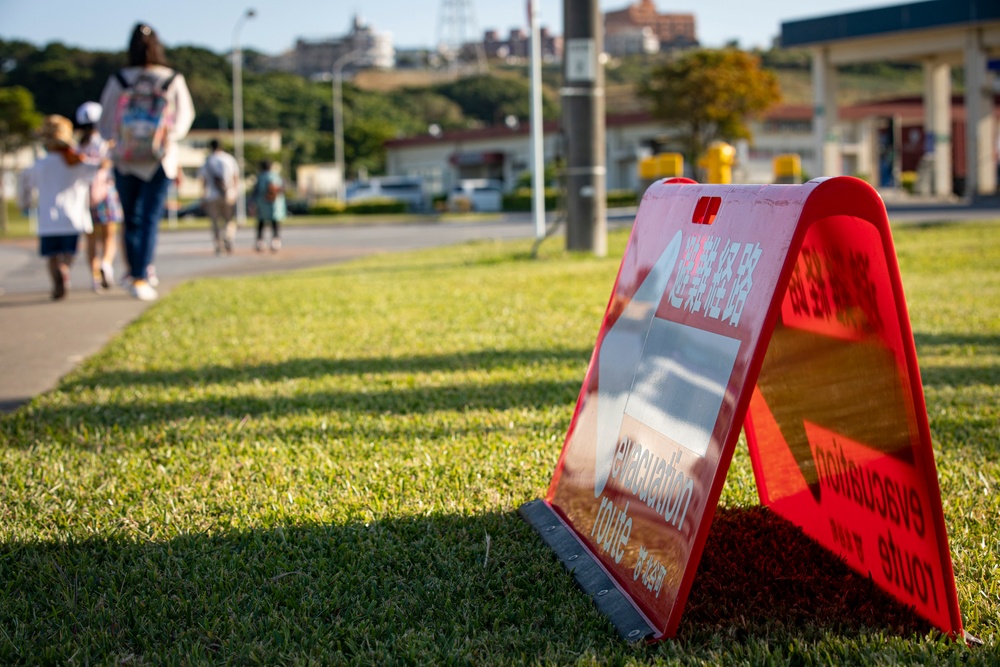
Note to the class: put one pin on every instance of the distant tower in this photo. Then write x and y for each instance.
(459, 43)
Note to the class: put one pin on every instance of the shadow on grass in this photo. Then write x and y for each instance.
(960, 339)
(157, 415)
(428, 590)
(759, 570)
(320, 367)
(181, 396)
(962, 374)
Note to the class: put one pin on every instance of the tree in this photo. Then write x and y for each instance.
(430, 108)
(59, 77)
(708, 95)
(490, 99)
(18, 121)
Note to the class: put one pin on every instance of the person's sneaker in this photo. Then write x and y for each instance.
(95, 283)
(259, 247)
(143, 291)
(275, 245)
(107, 275)
(151, 276)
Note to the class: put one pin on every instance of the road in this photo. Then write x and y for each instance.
(42, 340)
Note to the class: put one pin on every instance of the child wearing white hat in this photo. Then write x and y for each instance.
(105, 206)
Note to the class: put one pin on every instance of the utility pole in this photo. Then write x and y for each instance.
(582, 97)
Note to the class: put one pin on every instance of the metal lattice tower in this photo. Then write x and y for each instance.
(459, 43)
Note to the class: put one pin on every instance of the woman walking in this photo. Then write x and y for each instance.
(149, 110)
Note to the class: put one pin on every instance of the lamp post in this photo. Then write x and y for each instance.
(537, 129)
(241, 204)
(338, 118)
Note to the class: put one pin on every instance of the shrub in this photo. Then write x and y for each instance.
(366, 207)
(380, 205)
(622, 198)
(326, 207)
(520, 199)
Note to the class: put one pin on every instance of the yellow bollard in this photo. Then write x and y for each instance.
(718, 163)
(659, 166)
(787, 168)
(649, 168)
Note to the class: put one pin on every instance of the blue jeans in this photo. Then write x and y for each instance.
(142, 205)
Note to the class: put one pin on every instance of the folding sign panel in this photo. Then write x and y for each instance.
(781, 305)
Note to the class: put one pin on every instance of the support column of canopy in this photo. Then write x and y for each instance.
(980, 168)
(937, 123)
(824, 78)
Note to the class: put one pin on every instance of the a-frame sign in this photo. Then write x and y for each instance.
(778, 308)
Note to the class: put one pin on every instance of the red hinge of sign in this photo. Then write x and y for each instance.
(705, 210)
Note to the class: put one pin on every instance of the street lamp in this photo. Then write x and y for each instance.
(241, 204)
(338, 118)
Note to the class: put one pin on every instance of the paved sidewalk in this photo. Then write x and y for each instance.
(42, 340)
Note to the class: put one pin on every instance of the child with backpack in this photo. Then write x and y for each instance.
(269, 202)
(148, 109)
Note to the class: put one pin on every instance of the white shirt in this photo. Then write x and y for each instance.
(63, 194)
(180, 99)
(220, 164)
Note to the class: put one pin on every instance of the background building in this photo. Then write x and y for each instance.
(518, 44)
(938, 34)
(504, 153)
(639, 26)
(315, 58)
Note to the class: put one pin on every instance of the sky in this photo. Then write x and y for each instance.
(107, 24)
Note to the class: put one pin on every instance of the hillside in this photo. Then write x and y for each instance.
(861, 84)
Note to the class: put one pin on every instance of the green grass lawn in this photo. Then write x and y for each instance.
(325, 467)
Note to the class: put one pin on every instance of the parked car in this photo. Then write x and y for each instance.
(196, 209)
(476, 194)
(400, 188)
(193, 209)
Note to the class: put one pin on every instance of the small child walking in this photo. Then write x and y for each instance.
(105, 206)
(62, 180)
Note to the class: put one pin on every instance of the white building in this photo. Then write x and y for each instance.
(315, 58)
(317, 180)
(13, 164)
(632, 41)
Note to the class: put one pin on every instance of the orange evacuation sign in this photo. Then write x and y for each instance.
(775, 308)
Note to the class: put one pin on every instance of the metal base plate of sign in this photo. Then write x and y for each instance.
(586, 571)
